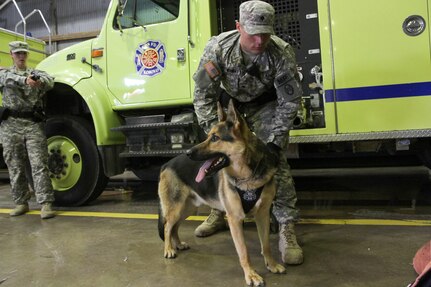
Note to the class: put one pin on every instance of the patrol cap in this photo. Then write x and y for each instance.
(257, 17)
(18, 46)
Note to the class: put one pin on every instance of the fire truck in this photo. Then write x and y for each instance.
(124, 100)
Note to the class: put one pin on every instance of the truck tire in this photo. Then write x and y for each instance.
(74, 162)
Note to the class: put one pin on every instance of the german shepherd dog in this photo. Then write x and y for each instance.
(234, 173)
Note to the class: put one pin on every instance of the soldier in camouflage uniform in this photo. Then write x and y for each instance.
(258, 71)
(23, 131)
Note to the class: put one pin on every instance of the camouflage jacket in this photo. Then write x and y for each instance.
(222, 67)
(19, 96)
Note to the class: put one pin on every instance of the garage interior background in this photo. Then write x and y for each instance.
(77, 249)
(70, 21)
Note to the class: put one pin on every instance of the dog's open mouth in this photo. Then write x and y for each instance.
(211, 166)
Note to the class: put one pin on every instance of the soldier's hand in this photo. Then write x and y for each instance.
(32, 83)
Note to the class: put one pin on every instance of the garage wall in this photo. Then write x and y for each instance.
(64, 17)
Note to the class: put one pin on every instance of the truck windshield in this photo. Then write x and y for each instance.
(144, 12)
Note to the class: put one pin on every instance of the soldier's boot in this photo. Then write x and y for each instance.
(20, 209)
(291, 252)
(46, 211)
(214, 222)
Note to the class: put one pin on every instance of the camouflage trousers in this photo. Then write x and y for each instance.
(259, 119)
(25, 141)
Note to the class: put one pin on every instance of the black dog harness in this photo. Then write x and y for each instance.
(249, 197)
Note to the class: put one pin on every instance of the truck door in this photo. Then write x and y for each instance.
(146, 56)
(381, 57)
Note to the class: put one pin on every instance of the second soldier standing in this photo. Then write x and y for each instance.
(23, 132)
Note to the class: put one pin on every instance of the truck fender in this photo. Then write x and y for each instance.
(104, 118)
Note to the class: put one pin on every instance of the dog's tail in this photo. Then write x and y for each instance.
(161, 224)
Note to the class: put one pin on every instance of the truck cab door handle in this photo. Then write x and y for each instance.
(181, 55)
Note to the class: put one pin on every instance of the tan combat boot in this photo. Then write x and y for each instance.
(214, 222)
(20, 209)
(291, 252)
(46, 211)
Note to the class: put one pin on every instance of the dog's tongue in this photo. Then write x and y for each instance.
(201, 174)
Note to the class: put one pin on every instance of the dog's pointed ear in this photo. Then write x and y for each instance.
(237, 120)
(232, 114)
(220, 112)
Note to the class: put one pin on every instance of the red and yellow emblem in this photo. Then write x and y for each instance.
(150, 58)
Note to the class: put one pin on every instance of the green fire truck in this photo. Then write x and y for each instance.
(124, 99)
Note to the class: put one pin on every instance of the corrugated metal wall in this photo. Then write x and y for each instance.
(62, 16)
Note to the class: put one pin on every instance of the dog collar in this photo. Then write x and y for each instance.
(249, 197)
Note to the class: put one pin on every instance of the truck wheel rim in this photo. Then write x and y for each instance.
(64, 163)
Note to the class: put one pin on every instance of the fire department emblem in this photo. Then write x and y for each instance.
(150, 58)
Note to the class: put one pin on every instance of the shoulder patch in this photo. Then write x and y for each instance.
(211, 70)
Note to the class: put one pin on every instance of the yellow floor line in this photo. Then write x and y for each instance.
(383, 222)
(95, 214)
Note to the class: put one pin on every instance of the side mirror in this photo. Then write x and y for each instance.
(121, 5)
(120, 9)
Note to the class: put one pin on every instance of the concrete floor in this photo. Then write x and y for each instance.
(110, 243)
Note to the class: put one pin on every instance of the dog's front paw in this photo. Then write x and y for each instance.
(254, 279)
(183, 246)
(276, 268)
(170, 253)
